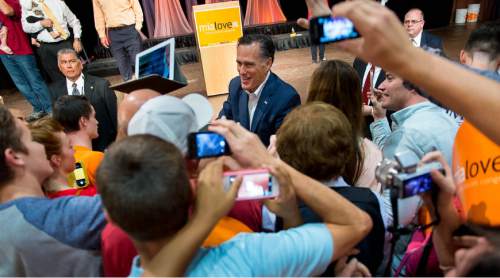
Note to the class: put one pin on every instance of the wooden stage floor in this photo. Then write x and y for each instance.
(294, 66)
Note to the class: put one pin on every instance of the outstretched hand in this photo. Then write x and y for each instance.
(285, 204)
(246, 147)
(383, 41)
(211, 198)
(445, 184)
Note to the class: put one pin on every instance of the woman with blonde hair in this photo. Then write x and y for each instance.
(60, 154)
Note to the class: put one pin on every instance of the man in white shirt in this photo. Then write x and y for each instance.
(258, 99)
(58, 16)
(96, 89)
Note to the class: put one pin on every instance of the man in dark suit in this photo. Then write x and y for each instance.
(414, 24)
(96, 89)
(258, 99)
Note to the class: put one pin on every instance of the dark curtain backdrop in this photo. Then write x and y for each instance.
(437, 14)
(85, 13)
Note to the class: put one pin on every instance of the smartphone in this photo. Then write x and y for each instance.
(256, 184)
(325, 29)
(207, 144)
(80, 178)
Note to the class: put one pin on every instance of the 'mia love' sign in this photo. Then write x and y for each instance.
(476, 171)
(218, 26)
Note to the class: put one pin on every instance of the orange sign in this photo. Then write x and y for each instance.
(476, 170)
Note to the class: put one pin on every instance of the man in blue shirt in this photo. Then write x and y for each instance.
(146, 192)
(418, 126)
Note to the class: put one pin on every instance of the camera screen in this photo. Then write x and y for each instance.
(417, 185)
(255, 186)
(336, 29)
(210, 144)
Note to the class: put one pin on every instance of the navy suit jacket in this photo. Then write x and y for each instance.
(431, 40)
(275, 101)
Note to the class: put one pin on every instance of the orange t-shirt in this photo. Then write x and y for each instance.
(89, 160)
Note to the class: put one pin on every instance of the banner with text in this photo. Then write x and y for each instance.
(218, 28)
(476, 171)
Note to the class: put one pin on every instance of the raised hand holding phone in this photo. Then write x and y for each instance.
(246, 147)
(285, 204)
(326, 29)
(211, 197)
(207, 144)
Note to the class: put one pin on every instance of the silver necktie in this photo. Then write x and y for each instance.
(75, 90)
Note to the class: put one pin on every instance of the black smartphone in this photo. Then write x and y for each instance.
(207, 144)
(80, 178)
(325, 29)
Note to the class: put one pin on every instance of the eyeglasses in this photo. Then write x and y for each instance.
(408, 22)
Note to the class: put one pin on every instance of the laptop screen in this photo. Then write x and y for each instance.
(158, 60)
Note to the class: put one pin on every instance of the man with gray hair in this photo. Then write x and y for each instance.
(258, 99)
(96, 89)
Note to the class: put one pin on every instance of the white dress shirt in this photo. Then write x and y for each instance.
(253, 98)
(417, 39)
(376, 73)
(79, 85)
(61, 12)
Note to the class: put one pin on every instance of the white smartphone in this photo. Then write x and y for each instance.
(256, 184)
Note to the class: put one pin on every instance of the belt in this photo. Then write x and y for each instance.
(53, 42)
(120, 27)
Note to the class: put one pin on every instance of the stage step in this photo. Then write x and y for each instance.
(107, 66)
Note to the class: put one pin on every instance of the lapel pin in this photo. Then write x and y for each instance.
(92, 87)
(265, 101)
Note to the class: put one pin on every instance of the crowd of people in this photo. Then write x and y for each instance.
(32, 30)
(100, 188)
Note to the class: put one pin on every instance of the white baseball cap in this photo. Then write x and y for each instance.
(171, 118)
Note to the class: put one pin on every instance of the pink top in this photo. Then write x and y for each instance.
(16, 38)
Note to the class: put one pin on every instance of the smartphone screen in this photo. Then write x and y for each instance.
(417, 185)
(256, 184)
(327, 29)
(207, 144)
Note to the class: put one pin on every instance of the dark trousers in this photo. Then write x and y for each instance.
(125, 43)
(47, 52)
(314, 52)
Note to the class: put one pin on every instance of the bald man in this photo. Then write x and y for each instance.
(414, 24)
(129, 106)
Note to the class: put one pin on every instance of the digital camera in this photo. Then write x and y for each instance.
(404, 174)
